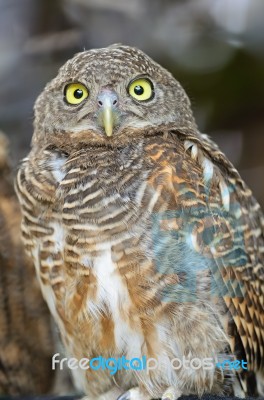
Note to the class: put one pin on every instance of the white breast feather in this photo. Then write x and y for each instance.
(113, 292)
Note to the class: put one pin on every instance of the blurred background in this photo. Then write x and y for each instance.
(215, 48)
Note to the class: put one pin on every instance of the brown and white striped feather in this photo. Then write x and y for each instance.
(93, 222)
(26, 341)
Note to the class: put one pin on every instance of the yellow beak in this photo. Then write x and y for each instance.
(108, 118)
(108, 111)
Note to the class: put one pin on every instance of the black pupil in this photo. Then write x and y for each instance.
(138, 90)
(78, 94)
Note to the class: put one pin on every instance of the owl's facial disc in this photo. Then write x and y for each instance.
(108, 114)
(109, 96)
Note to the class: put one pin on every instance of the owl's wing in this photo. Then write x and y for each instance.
(224, 226)
(246, 259)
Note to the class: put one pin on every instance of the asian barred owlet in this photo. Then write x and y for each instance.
(145, 239)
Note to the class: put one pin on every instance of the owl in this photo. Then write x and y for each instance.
(26, 341)
(146, 242)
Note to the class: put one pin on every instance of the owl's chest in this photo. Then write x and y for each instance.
(98, 231)
(104, 200)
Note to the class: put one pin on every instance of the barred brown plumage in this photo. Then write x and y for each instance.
(26, 341)
(144, 237)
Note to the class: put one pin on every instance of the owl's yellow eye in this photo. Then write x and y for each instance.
(75, 93)
(141, 89)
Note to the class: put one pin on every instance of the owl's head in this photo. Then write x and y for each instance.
(110, 95)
